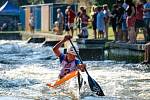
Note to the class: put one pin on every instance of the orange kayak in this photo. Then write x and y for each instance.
(58, 82)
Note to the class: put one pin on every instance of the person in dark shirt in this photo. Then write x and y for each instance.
(78, 19)
(114, 20)
(94, 21)
(146, 17)
(120, 12)
(66, 22)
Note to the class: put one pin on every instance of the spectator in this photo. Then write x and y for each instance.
(84, 23)
(120, 13)
(71, 17)
(94, 20)
(146, 17)
(114, 20)
(66, 22)
(100, 22)
(78, 19)
(60, 20)
(56, 28)
(107, 17)
(147, 54)
(124, 24)
(131, 12)
(139, 16)
(31, 23)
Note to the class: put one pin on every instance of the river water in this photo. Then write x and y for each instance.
(26, 68)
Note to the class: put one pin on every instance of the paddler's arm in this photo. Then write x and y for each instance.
(81, 67)
(59, 44)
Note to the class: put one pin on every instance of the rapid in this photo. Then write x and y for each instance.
(26, 68)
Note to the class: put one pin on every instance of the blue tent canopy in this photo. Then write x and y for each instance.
(9, 9)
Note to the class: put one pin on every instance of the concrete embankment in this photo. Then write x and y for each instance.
(90, 49)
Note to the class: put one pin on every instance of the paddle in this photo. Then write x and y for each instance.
(94, 86)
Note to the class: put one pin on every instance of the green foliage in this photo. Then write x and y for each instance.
(23, 2)
(27, 2)
(14, 2)
(35, 1)
(49, 1)
(102, 2)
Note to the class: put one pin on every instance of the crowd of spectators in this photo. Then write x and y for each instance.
(126, 19)
(70, 19)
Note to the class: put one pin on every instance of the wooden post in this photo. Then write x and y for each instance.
(147, 53)
(27, 16)
(45, 18)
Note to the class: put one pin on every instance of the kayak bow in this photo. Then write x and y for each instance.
(58, 82)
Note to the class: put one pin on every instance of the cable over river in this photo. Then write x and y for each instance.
(26, 68)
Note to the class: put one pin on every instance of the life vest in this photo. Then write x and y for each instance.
(67, 67)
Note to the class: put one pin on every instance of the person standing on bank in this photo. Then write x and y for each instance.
(31, 23)
(78, 19)
(107, 14)
(60, 20)
(69, 61)
(146, 17)
(120, 13)
(100, 22)
(84, 23)
(67, 29)
(139, 16)
(114, 20)
(71, 17)
(131, 18)
(94, 21)
(124, 24)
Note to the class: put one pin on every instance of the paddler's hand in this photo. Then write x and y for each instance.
(82, 67)
(67, 37)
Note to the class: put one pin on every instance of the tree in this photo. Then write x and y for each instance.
(29, 2)
(102, 2)
(23, 2)
(49, 1)
(35, 1)
(14, 2)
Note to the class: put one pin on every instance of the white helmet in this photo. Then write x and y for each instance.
(71, 50)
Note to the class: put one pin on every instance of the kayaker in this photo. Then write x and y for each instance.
(69, 61)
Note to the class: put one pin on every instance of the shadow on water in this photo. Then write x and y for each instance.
(127, 55)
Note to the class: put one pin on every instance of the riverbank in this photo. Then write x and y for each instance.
(90, 49)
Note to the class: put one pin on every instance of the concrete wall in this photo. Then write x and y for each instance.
(10, 36)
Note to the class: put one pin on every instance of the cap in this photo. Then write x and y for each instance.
(58, 10)
(105, 5)
(72, 51)
(68, 7)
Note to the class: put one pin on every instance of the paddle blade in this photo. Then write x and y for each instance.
(94, 86)
(80, 80)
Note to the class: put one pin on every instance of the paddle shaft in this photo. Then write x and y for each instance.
(78, 55)
(93, 84)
